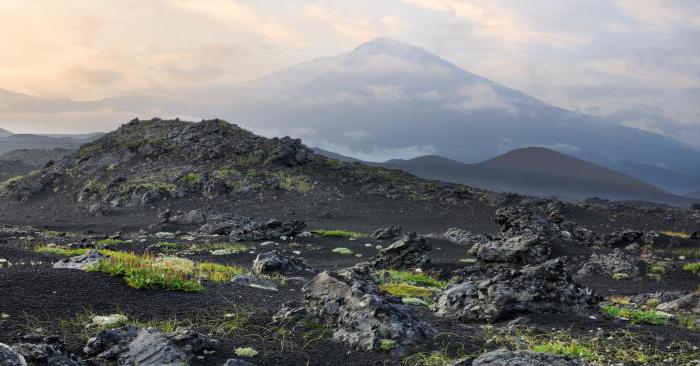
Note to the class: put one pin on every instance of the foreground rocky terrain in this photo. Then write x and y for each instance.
(171, 242)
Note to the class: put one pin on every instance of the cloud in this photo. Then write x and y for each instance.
(378, 154)
(481, 97)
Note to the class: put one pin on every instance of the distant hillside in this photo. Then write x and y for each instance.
(695, 194)
(27, 141)
(537, 171)
(35, 157)
(4, 133)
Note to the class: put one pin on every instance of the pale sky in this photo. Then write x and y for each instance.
(635, 60)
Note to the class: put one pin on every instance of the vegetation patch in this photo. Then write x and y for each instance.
(170, 273)
(406, 290)
(572, 349)
(343, 251)
(246, 352)
(56, 250)
(387, 344)
(676, 234)
(636, 315)
(427, 359)
(293, 183)
(220, 248)
(416, 279)
(339, 233)
(110, 243)
(692, 267)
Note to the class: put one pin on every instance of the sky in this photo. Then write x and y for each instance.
(637, 61)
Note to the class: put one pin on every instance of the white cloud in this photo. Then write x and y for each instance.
(377, 154)
(481, 97)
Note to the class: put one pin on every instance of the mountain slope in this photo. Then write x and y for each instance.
(400, 99)
(27, 141)
(4, 133)
(537, 171)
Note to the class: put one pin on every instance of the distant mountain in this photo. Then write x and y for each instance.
(35, 157)
(4, 133)
(401, 100)
(27, 141)
(695, 194)
(672, 181)
(537, 171)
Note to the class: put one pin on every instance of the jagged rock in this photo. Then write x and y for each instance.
(579, 233)
(658, 297)
(270, 230)
(408, 252)
(463, 237)
(608, 264)
(516, 219)
(525, 358)
(255, 282)
(689, 303)
(695, 235)
(388, 233)
(10, 357)
(492, 293)
(620, 239)
(289, 152)
(360, 315)
(525, 248)
(147, 346)
(224, 225)
(273, 262)
(289, 313)
(80, 262)
(48, 351)
(237, 362)
(99, 209)
(29, 185)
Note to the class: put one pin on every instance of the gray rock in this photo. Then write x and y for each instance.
(688, 304)
(273, 262)
(695, 235)
(193, 217)
(526, 358)
(388, 233)
(80, 262)
(493, 293)
(10, 357)
(608, 264)
(153, 348)
(255, 282)
(360, 315)
(527, 248)
(464, 237)
(237, 362)
(408, 252)
(270, 230)
(45, 351)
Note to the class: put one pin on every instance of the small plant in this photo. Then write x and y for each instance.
(676, 234)
(343, 251)
(193, 179)
(620, 276)
(339, 233)
(293, 183)
(414, 301)
(692, 267)
(387, 344)
(55, 250)
(109, 242)
(246, 352)
(468, 260)
(635, 315)
(406, 290)
(219, 272)
(427, 359)
(417, 279)
(573, 349)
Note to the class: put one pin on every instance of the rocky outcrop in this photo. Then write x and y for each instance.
(10, 357)
(387, 233)
(359, 314)
(408, 252)
(147, 346)
(689, 303)
(80, 262)
(609, 264)
(274, 263)
(527, 248)
(273, 229)
(526, 358)
(45, 351)
(288, 152)
(463, 237)
(489, 293)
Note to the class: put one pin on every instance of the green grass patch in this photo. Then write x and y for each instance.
(692, 267)
(636, 315)
(10, 181)
(55, 250)
(110, 242)
(343, 251)
(339, 233)
(572, 349)
(293, 183)
(416, 279)
(246, 352)
(169, 273)
(387, 344)
(231, 248)
(427, 359)
(406, 290)
(193, 179)
(676, 234)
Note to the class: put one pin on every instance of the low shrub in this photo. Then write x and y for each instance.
(692, 267)
(636, 315)
(55, 250)
(572, 349)
(246, 352)
(417, 279)
(406, 290)
(339, 233)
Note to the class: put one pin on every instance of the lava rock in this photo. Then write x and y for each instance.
(255, 282)
(525, 358)
(193, 217)
(270, 230)
(408, 252)
(463, 237)
(237, 362)
(695, 235)
(493, 293)
(48, 351)
(80, 262)
(525, 249)
(615, 262)
(688, 304)
(388, 233)
(10, 357)
(360, 315)
(273, 262)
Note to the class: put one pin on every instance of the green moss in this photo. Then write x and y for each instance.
(387, 344)
(135, 184)
(572, 349)
(52, 249)
(417, 279)
(8, 182)
(246, 352)
(339, 233)
(636, 315)
(194, 179)
(293, 183)
(343, 251)
(109, 242)
(406, 290)
(692, 267)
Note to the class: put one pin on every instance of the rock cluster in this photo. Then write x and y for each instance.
(387, 233)
(275, 263)
(408, 252)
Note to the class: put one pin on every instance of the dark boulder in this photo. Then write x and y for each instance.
(46, 351)
(388, 233)
(273, 262)
(270, 230)
(526, 358)
(527, 248)
(408, 252)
